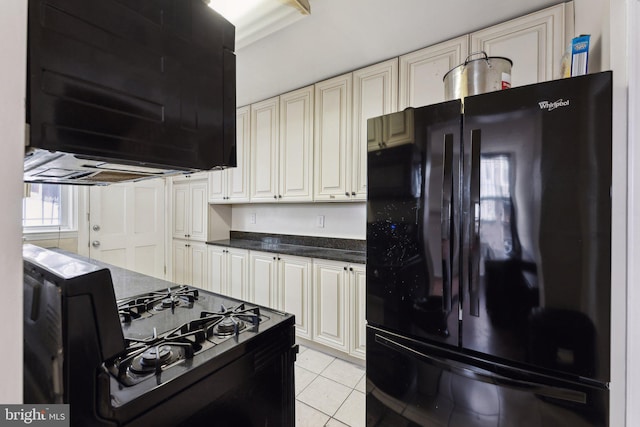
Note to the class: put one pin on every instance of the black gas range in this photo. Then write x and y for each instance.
(170, 356)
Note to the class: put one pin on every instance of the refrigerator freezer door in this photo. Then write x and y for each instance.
(412, 222)
(537, 214)
(411, 384)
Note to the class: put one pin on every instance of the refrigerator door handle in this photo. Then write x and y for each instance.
(479, 374)
(445, 220)
(474, 241)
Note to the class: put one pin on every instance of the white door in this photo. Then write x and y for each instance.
(127, 226)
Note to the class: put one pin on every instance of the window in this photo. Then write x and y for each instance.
(48, 208)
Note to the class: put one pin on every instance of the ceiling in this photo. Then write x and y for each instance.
(343, 35)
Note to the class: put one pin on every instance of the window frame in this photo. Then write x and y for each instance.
(68, 227)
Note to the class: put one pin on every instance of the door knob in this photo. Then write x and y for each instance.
(96, 227)
(95, 243)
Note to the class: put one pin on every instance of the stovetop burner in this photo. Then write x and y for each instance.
(233, 320)
(156, 301)
(151, 354)
(152, 359)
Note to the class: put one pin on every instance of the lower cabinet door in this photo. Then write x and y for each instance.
(294, 275)
(263, 279)
(217, 265)
(330, 303)
(357, 322)
(237, 279)
(198, 265)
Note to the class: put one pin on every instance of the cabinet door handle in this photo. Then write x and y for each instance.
(353, 193)
(345, 268)
(279, 196)
(346, 193)
(350, 268)
(275, 197)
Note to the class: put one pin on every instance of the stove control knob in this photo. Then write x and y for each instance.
(95, 243)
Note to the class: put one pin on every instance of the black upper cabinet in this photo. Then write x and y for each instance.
(139, 81)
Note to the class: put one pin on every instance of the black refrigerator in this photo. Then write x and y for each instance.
(489, 259)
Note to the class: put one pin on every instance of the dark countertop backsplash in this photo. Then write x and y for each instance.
(346, 250)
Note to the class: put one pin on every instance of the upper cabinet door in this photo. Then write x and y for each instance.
(264, 150)
(198, 211)
(331, 142)
(535, 43)
(232, 185)
(296, 146)
(422, 72)
(181, 207)
(238, 177)
(218, 186)
(375, 92)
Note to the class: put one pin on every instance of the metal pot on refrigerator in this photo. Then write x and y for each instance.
(479, 75)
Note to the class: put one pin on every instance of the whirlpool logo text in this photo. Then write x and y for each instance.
(552, 105)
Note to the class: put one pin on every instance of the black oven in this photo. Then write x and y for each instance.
(124, 349)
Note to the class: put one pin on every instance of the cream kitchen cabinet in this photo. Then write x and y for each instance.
(295, 151)
(263, 279)
(332, 136)
(338, 291)
(264, 150)
(190, 263)
(282, 148)
(283, 282)
(228, 270)
(375, 92)
(232, 185)
(422, 71)
(357, 312)
(189, 208)
(535, 43)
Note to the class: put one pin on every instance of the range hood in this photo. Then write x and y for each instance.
(122, 90)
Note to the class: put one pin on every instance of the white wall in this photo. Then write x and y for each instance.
(341, 220)
(13, 45)
(632, 54)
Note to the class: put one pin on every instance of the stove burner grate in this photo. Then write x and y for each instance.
(134, 307)
(147, 356)
(233, 320)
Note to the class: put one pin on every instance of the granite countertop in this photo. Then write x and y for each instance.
(345, 250)
(126, 283)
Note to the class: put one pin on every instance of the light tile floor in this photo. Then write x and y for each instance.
(329, 391)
